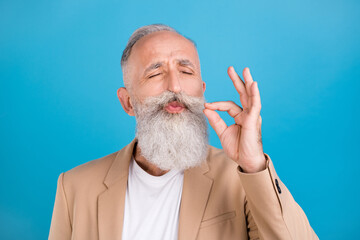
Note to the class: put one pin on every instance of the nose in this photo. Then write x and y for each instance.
(173, 82)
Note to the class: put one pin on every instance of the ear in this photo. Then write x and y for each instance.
(124, 98)
(204, 86)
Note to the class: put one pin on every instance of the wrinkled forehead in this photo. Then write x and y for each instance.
(163, 45)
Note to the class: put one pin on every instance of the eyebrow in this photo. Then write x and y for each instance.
(185, 63)
(152, 67)
(181, 62)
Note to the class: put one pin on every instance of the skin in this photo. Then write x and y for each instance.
(167, 61)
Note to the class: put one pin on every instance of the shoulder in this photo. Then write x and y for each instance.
(98, 166)
(91, 176)
(90, 172)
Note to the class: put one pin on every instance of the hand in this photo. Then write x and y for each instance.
(242, 140)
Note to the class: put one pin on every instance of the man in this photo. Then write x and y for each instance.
(168, 183)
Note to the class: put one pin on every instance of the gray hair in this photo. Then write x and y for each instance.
(136, 36)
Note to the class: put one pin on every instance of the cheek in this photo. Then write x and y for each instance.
(193, 88)
(149, 90)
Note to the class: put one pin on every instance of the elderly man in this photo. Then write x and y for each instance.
(168, 183)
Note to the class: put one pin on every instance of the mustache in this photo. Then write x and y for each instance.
(191, 103)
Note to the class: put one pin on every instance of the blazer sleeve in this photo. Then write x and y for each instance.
(60, 223)
(271, 211)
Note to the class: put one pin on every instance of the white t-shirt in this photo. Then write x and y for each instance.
(152, 204)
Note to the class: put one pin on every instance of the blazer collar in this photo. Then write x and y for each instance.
(196, 190)
(120, 166)
(111, 202)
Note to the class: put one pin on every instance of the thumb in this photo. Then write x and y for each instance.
(216, 122)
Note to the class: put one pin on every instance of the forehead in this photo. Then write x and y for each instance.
(162, 46)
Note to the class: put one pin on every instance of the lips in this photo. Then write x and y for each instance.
(174, 107)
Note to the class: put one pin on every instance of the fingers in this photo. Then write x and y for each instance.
(215, 121)
(233, 109)
(239, 86)
(248, 80)
(253, 102)
(255, 99)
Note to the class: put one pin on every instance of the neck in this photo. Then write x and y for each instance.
(146, 165)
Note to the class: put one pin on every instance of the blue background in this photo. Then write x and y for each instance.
(60, 69)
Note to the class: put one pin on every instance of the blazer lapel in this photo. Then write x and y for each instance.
(196, 189)
(111, 202)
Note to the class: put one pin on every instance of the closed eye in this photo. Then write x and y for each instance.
(188, 73)
(154, 75)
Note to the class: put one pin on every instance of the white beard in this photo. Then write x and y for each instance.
(172, 141)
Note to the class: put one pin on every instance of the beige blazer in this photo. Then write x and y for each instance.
(218, 202)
